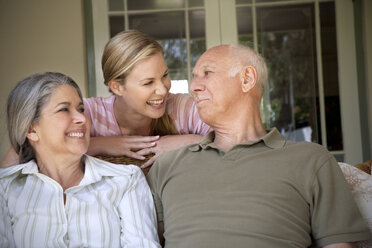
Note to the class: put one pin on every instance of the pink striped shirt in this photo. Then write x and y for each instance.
(180, 107)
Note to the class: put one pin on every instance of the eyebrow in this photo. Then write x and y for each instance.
(209, 67)
(205, 67)
(67, 103)
(152, 78)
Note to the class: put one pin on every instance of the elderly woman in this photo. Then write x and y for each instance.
(57, 196)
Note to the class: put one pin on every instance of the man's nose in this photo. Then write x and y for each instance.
(196, 85)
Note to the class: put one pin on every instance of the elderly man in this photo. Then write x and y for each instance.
(242, 186)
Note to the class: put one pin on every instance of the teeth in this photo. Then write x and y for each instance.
(75, 135)
(156, 102)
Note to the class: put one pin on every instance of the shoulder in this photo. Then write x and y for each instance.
(307, 151)
(168, 160)
(179, 99)
(9, 174)
(304, 160)
(15, 169)
(98, 101)
(103, 168)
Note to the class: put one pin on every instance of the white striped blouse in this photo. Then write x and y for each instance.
(111, 207)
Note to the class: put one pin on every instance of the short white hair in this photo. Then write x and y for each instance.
(243, 56)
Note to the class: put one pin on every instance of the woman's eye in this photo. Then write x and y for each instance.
(81, 110)
(63, 110)
(148, 83)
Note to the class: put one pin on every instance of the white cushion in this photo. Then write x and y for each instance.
(361, 187)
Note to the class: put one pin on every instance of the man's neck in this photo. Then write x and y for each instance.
(238, 131)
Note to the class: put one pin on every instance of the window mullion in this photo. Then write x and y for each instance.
(319, 63)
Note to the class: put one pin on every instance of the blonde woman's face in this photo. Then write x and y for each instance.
(146, 88)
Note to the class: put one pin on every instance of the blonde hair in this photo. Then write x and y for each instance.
(121, 54)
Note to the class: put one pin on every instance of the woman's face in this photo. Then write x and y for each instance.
(63, 128)
(146, 87)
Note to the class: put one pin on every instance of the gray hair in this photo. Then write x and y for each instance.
(24, 106)
(245, 56)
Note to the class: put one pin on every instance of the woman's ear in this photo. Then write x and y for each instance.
(115, 87)
(32, 134)
(249, 78)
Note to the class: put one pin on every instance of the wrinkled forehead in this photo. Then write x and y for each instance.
(214, 59)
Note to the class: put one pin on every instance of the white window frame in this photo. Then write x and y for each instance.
(225, 32)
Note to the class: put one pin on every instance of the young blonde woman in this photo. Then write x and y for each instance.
(141, 117)
(56, 196)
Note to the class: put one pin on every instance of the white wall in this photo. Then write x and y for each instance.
(39, 36)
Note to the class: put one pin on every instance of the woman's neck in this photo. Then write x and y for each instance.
(66, 172)
(129, 121)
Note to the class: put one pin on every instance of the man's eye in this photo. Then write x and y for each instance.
(206, 73)
(165, 75)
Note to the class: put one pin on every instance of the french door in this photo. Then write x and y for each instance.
(311, 93)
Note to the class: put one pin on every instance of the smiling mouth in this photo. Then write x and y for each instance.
(75, 134)
(155, 102)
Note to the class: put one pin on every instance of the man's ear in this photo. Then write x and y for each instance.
(32, 134)
(249, 78)
(115, 87)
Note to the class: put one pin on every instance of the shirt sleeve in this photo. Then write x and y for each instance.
(88, 113)
(6, 232)
(335, 217)
(137, 214)
(182, 110)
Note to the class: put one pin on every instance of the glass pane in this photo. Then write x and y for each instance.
(330, 76)
(155, 4)
(266, 1)
(286, 39)
(116, 5)
(195, 3)
(172, 38)
(116, 24)
(197, 35)
(243, 1)
(244, 19)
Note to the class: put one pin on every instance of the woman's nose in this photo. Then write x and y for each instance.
(161, 89)
(79, 117)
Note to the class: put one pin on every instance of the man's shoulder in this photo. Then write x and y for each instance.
(176, 154)
(172, 158)
(307, 153)
(306, 147)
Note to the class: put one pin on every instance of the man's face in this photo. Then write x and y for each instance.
(214, 91)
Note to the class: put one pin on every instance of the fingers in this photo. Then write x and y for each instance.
(134, 155)
(141, 145)
(149, 162)
(141, 139)
(147, 151)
